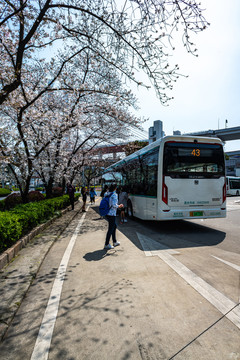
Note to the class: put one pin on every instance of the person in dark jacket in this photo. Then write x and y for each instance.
(111, 218)
(71, 191)
(84, 198)
(92, 195)
(104, 190)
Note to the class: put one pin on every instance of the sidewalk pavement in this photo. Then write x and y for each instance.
(17, 276)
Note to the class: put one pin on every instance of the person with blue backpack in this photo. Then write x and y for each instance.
(108, 208)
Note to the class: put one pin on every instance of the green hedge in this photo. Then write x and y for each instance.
(15, 188)
(2, 205)
(4, 192)
(18, 221)
(10, 230)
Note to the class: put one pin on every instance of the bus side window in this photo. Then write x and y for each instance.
(151, 164)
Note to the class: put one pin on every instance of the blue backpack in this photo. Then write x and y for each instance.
(104, 205)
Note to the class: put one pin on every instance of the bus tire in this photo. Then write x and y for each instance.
(129, 209)
(237, 193)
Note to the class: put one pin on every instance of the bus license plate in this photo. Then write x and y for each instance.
(196, 213)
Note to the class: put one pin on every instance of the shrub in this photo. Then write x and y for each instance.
(57, 191)
(15, 188)
(23, 217)
(35, 196)
(10, 230)
(4, 192)
(39, 188)
(2, 205)
(32, 214)
(15, 199)
(12, 200)
(23, 220)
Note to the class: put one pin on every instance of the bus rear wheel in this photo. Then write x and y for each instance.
(129, 209)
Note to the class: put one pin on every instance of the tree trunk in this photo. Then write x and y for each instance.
(49, 188)
(63, 184)
(25, 191)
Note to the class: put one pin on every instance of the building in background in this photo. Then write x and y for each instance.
(233, 163)
(177, 132)
(156, 131)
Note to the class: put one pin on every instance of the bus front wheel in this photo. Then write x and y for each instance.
(129, 209)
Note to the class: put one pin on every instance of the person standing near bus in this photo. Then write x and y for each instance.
(104, 191)
(122, 198)
(111, 218)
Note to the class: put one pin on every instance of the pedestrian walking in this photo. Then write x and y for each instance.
(84, 198)
(71, 190)
(111, 218)
(92, 195)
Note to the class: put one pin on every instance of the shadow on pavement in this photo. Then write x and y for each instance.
(96, 255)
(174, 234)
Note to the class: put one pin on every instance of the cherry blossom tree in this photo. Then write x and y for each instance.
(133, 146)
(47, 126)
(131, 35)
(73, 151)
(64, 68)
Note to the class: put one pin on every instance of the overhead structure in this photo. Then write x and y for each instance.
(226, 134)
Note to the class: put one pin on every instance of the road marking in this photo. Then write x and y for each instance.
(151, 248)
(217, 299)
(236, 267)
(43, 342)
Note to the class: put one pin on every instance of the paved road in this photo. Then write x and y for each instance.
(170, 291)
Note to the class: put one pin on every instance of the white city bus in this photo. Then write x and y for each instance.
(176, 177)
(233, 185)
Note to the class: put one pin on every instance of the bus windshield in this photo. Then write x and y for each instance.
(188, 160)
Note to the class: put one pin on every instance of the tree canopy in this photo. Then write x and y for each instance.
(129, 35)
(65, 70)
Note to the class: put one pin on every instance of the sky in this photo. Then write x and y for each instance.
(211, 93)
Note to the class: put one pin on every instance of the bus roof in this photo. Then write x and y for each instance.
(155, 144)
